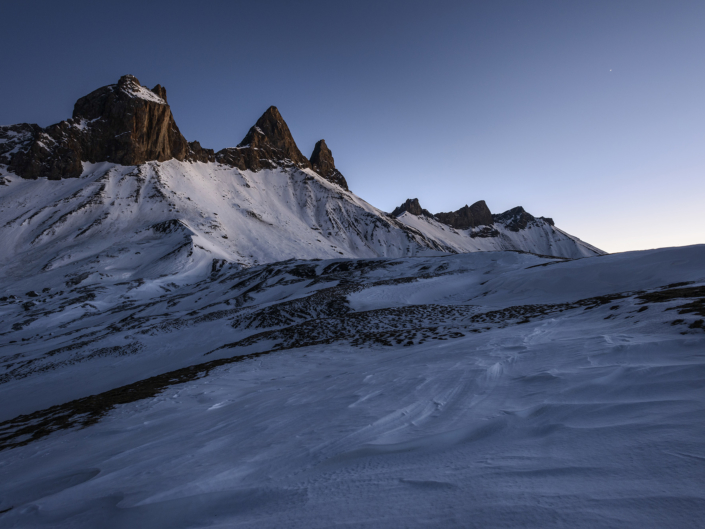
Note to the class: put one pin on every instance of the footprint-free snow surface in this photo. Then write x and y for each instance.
(491, 389)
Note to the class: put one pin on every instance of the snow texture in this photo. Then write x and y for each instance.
(485, 389)
(189, 345)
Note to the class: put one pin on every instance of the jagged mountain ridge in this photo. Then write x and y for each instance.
(148, 203)
(476, 228)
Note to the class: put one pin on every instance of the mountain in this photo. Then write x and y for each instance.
(475, 228)
(191, 338)
(117, 191)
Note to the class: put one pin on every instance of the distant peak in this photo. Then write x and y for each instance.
(468, 216)
(412, 206)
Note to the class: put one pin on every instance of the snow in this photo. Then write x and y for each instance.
(401, 373)
(83, 124)
(141, 92)
(578, 418)
(540, 238)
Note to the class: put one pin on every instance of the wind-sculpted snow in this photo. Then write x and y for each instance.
(490, 389)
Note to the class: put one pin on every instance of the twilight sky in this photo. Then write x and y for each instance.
(592, 113)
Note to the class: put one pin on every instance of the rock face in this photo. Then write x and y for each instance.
(267, 145)
(128, 124)
(123, 123)
(468, 216)
(411, 206)
(323, 163)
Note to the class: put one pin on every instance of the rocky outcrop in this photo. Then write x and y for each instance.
(411, 206)
(267, 145)
(15, 139)
(476, 216)
(128, 124)
(124, 123)
(322, 162)
(467, 217)
(515, 219)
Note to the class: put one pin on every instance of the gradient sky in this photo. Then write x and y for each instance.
(592, 113)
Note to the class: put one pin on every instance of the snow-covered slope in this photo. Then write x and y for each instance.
(191, 338)
(117, 192)
(490, 389)
(539, 237)
(184, 219)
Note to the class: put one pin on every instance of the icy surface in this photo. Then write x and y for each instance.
(492, 389)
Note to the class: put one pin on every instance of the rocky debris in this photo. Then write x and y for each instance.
(411, 206)
(468, 216)
(123, 123)
(267, 145)
(323, 163)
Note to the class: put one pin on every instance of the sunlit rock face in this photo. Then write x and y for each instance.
(124, 123)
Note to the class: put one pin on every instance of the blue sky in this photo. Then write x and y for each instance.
(592, 113)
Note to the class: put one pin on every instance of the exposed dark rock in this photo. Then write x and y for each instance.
(411, 206)
(16, 138)
(514, 219)
(323, 163)
(468, 216)
(267, 145)
(200, 154)
(128, 124)
(123, 123)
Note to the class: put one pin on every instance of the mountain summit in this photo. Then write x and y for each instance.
(149, 204)
(268, 144)
(124, 123)
(129, 124)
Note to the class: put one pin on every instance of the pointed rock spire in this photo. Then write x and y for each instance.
(267, 145)
(323, 163)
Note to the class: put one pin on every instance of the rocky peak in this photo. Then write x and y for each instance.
(268, 144)
(123, 123)
(272, 126)
(468, 216)
(129, 124)
(322, 162)
(411, 206)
